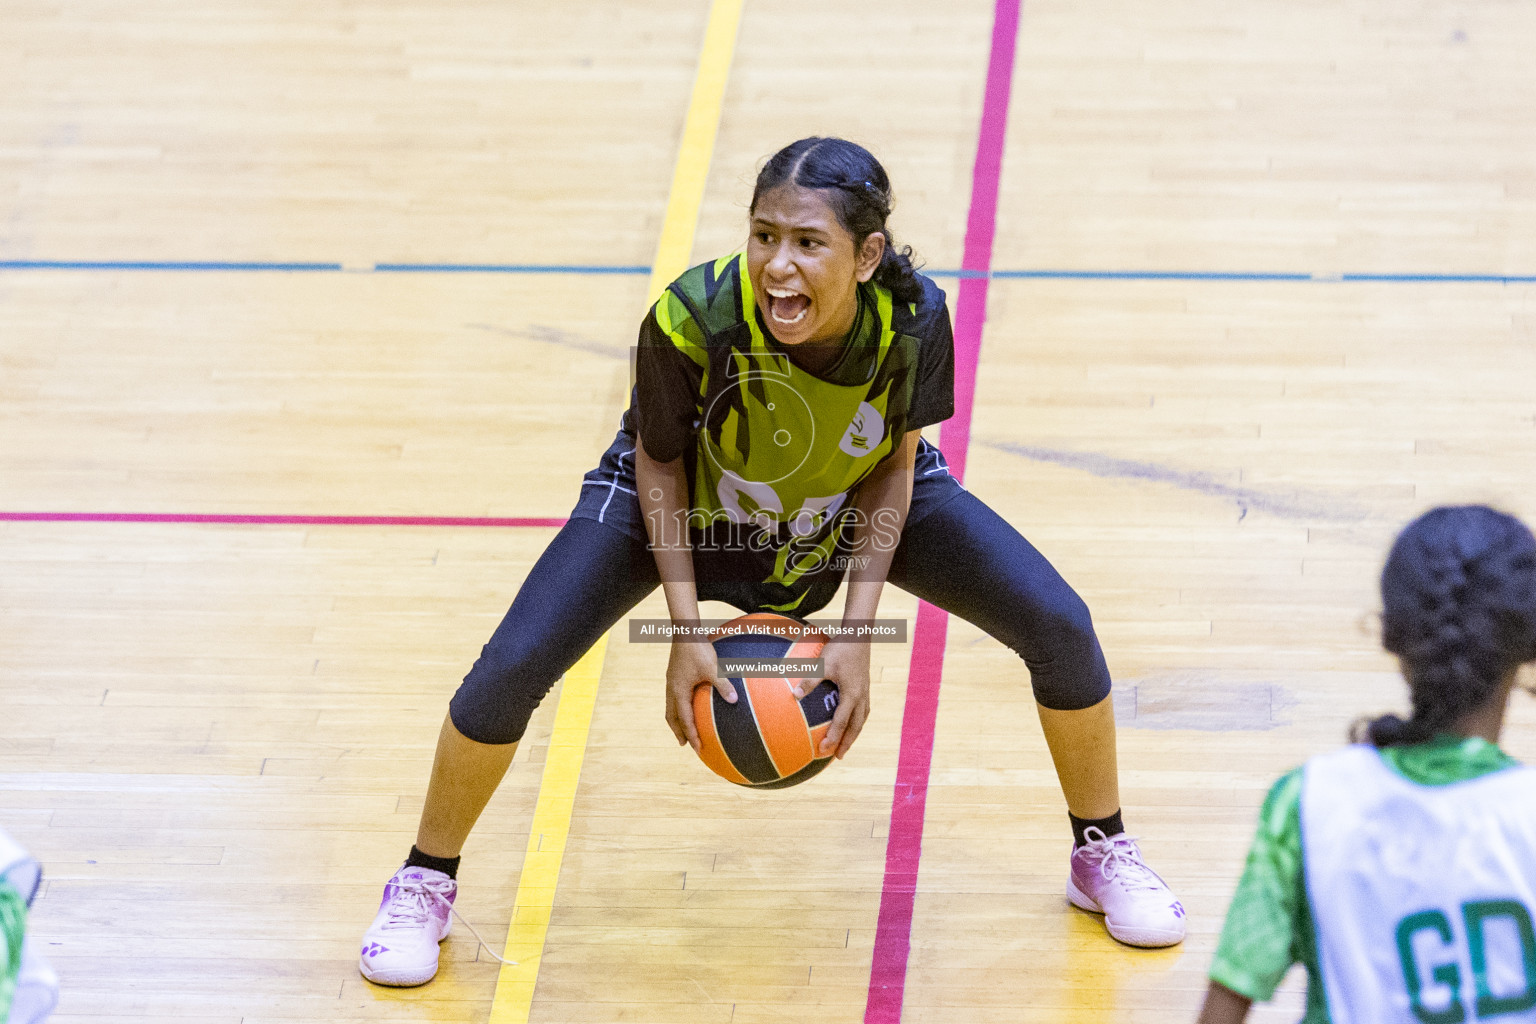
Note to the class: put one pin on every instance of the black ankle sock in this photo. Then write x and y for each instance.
(447, 865)
(1110, 826)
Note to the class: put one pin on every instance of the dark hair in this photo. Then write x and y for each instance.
(859, 193)
(1459, 608)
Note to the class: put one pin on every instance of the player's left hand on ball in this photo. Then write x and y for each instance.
(847, 665)
(691, 664)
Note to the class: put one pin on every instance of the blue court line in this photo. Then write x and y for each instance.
(636, 270)
(161, 265)
(505, 268)
(1151, 275)
(1474, 278)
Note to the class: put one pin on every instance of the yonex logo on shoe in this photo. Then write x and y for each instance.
(374, 949)
(1177, 908)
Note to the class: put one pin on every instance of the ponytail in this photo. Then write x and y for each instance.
(896, 272)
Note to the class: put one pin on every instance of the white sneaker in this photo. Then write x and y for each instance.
(400, 947)
(37, 988)
(1109, 877)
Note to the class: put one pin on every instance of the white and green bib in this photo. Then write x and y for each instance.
(1422, 896)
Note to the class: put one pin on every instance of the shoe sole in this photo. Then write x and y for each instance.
(397, 979)
(1143, 938)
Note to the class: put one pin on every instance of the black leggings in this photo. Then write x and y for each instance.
(961, 556)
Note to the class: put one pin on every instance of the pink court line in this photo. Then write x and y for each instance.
(273, 520)
(904, 847)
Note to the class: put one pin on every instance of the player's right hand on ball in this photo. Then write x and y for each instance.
(692, 662)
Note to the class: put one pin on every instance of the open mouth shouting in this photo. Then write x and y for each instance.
(787, 306)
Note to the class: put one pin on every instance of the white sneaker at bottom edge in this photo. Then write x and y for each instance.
(1109, 877)
(400, 946)
(37, 988)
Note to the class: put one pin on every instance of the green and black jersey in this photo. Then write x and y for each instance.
(770, 448)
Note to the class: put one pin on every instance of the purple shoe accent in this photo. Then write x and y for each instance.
(408, 875)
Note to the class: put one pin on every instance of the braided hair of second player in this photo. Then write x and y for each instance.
(1459, 611)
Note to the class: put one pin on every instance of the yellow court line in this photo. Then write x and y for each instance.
(578, 694)
(699, 130)
(546, 839)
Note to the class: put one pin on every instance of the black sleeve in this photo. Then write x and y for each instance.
(933, 396)
(666, 393)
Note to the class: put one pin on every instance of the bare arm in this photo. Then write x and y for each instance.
(663, 488)
(882, 504)
(1223, 1006)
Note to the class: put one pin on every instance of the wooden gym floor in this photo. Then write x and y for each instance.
(216, 736)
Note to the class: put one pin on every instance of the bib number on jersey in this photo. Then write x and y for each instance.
(1498, 943)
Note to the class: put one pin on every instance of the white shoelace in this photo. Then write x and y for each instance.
(408, 908)
(1121, 859)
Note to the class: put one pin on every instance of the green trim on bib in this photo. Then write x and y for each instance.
(1446, 759)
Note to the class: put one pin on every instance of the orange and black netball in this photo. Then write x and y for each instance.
(768, 739)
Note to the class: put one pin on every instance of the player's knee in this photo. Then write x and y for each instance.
(1066, 663)
(1074, 622)
(497, 698)
(1061, 626)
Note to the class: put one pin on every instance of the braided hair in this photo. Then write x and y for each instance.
(856, 187)
(1459, 610)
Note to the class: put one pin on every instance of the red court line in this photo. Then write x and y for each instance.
(904, 847)
(273, 520)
